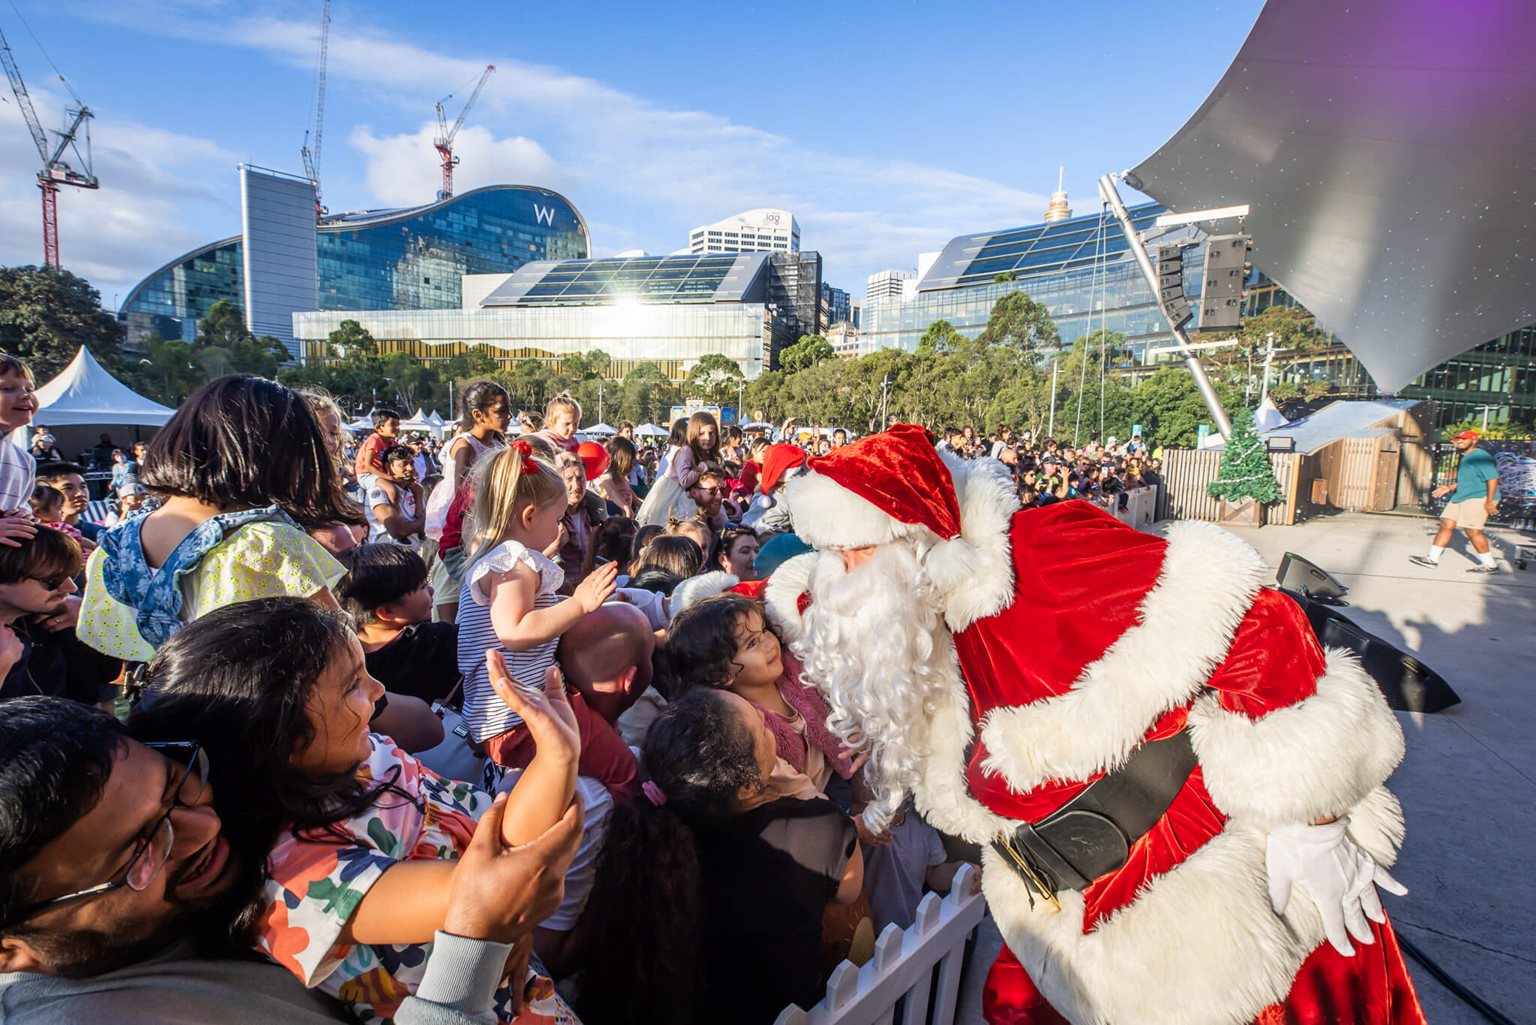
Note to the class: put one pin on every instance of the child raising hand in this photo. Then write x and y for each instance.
(510, 604)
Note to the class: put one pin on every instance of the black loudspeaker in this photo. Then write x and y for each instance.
(1299, 576)
(1408, 684)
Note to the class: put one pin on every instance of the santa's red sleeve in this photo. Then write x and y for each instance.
(1287, 731)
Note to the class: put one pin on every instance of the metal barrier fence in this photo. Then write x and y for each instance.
(917, 968)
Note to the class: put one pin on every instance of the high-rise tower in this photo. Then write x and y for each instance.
(1058, 210)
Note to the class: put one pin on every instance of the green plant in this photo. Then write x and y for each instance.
(1245, 471)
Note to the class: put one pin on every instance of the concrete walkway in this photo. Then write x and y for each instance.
(1468, 783)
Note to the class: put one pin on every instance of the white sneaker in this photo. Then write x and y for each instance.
(1480, 568)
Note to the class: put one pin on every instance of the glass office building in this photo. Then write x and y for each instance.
(1079, 268)
(411, 259)
(667, 310)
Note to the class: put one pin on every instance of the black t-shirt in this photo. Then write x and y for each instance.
(423, 661)
(767, 875)
(59, 664)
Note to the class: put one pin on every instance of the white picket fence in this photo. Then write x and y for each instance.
(907, 963)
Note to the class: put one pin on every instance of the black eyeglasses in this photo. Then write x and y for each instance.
(151, 854)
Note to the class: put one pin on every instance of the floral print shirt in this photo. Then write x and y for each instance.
(317, 882)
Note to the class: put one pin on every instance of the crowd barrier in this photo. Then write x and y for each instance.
(918, 968)
(1140, 508)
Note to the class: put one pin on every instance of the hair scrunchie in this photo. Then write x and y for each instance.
(653, 793)
(525, 450)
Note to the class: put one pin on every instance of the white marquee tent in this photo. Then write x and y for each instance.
(85, 394)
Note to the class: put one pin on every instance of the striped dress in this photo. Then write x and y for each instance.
(485, 713)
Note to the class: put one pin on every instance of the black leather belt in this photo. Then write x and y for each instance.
(1091, 835)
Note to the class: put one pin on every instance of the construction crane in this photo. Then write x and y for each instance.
(312, 160)
(446, 135)
(56, 170)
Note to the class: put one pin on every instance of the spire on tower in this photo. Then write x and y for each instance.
(1058, 210)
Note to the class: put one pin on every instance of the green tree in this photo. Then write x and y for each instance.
(222, 326)
(1022, 323)
(350, 338)
(647, 395)
(940, 338)
(714, 379)
(46, 315)
(1005, 277)
(165, 372)
(1169, 407)
(807, 352)
(1245, 471)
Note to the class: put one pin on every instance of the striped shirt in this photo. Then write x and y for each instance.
(18, 472)
(485, 713)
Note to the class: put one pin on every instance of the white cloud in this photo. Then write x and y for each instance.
(620, 158)
(403, 170)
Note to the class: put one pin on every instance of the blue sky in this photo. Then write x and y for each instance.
(887, 128)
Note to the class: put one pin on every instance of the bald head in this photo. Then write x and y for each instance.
(607, 656)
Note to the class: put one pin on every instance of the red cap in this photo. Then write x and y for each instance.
(1465, 436)
(594, 457)
(899, 473)
(777, 459)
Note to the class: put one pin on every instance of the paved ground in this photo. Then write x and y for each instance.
(1468, 783)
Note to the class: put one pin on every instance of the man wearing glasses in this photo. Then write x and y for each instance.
(113, 873)
(708, 493)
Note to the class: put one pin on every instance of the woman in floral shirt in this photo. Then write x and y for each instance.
(349, 844)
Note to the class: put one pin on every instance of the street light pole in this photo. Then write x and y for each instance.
(1111, 196)
(1269, 360)
(1050, 432)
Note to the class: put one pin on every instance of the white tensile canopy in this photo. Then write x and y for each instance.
(1381, 149)
(651, 431)
(84, 394)
(599, 428)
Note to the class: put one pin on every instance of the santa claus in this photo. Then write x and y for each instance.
(1178, 793)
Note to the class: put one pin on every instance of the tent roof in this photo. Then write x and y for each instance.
(84, 393)
(652, 431)
(1390, 187)
(599, 428)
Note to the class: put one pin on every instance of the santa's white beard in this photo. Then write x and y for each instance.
(872, 638)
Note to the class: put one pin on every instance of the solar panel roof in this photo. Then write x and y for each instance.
(711, 277)
(1036, 249)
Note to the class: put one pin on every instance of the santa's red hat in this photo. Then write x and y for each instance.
(894, 485)
(776, 460)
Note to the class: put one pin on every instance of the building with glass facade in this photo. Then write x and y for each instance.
(667, 310)
(411, 259)
(750, 231)
(1081, 270)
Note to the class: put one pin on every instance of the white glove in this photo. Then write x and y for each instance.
(1340, 876)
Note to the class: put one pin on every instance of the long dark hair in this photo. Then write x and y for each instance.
(479, 395)
(641, 933)
(237, 681)
(244, 440)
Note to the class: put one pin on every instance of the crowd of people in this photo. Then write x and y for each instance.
(419, 732)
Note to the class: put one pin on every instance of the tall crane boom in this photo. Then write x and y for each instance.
(56, 170)
(312, 160)
(446, 135)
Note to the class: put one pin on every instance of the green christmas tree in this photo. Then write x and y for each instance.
(1245, 471)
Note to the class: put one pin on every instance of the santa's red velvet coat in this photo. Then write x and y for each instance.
(1075, 638)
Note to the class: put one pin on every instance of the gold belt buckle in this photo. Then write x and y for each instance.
(1031, 877)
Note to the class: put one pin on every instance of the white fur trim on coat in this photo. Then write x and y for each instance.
(696, 588)
(974, 573)
(782, 595)
(1311, 760)
(1185, 627)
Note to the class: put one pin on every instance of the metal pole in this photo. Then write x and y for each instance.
(1111, 196)
(1269, 360)
(599, 400)
(885, 386)
(1050, 432)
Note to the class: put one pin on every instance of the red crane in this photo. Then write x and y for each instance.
(446, 135)
(56, 170)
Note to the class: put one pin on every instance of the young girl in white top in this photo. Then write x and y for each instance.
(509, 602)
